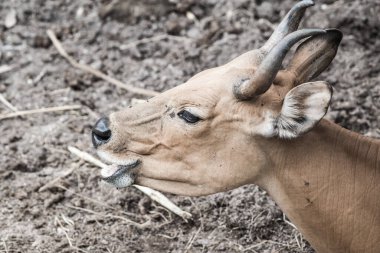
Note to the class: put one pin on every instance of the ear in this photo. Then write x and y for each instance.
(303, 107)
(314, 55)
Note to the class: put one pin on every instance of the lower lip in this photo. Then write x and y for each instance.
(122, 169)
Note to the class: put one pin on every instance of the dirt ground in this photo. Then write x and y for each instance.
(80, 213)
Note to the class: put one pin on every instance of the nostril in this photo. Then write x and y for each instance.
(101, 132)
(101, 128)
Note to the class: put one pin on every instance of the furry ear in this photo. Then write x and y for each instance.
(314, 55)
(303, 107)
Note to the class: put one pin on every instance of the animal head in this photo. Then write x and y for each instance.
(206, 135)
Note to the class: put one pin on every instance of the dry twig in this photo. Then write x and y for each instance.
(86, 156)
(59, 223)
(192, 239)
(7, 103)
(153, 194)
(86, 198)
(7, 48)
(289, 223)
(250, 248)
(55, 180)
(7, 68)
(40, 110)
(63, 230)
(39, 76)
(103, 204)
(164, 201)
(95, 72)
(5, 246)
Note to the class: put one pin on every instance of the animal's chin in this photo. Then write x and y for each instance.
(120, 175)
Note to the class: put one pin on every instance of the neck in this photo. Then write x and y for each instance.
(328, 183)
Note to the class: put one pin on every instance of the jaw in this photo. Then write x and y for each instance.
(120, 172)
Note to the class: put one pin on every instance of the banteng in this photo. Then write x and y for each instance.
(252, 122)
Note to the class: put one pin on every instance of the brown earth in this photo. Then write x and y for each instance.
(33, 148)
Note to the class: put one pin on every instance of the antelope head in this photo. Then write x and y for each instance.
(208, 134)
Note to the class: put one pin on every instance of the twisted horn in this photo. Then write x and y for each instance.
(271, 64)
(288, 25)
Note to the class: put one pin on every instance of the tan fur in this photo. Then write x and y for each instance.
(222, 152)
(326, 181)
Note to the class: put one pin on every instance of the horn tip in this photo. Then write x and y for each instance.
(336, 33)
(306, 3)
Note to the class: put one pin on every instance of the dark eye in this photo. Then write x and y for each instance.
(188, 117)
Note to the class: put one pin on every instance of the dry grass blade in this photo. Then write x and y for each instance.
(153, 194)
(57, 44)
(7, 103)
(143, 225)
(41, 110)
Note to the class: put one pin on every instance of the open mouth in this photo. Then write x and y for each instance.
(120, 175)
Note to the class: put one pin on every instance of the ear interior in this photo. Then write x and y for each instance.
(314, 55)
(303, 107)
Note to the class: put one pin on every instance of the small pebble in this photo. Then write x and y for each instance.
(10, 19)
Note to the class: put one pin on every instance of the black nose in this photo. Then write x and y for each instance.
(100, 132)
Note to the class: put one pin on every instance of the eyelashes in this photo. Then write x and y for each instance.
(188, 117)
